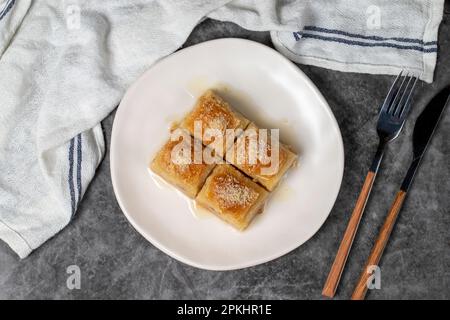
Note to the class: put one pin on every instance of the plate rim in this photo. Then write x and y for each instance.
(160, 246)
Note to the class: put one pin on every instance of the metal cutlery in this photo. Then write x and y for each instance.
(423, 131)
(390, 122)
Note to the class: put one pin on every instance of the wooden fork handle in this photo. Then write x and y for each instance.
(341, 257)
(377, 251)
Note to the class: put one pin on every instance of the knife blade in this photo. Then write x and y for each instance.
(424, 128)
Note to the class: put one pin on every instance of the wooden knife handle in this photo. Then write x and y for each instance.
(381, 242)
(341, 257)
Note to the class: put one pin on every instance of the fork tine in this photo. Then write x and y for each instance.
(389, 96)
(395, 103)
(407, 104)
(401, 103)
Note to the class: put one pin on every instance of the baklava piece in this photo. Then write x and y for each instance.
(266, 172)
(232, 196)
(178, 167)
(212, 112)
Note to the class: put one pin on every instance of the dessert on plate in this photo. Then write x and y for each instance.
(180, 169)
(232, 196)
(267, 169)
(212, 112)
(234, 187)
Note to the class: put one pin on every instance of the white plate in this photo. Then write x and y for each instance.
(268, 89)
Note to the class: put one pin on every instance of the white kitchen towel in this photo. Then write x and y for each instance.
(65, 64)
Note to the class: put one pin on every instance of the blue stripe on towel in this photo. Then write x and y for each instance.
(299, 35)
(79, 159)
(70, 178)
(7, 8)
(375, 38)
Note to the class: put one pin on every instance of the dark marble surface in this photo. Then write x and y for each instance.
(116, 262)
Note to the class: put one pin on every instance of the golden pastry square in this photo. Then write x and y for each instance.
(232, 196)
(268, 173)
(173, 166)
(213, 112)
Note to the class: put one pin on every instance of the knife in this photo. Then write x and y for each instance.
(424, 128)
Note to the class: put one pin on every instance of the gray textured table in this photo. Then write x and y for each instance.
(116, 262)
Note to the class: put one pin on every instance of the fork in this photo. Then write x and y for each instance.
(391, 118)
